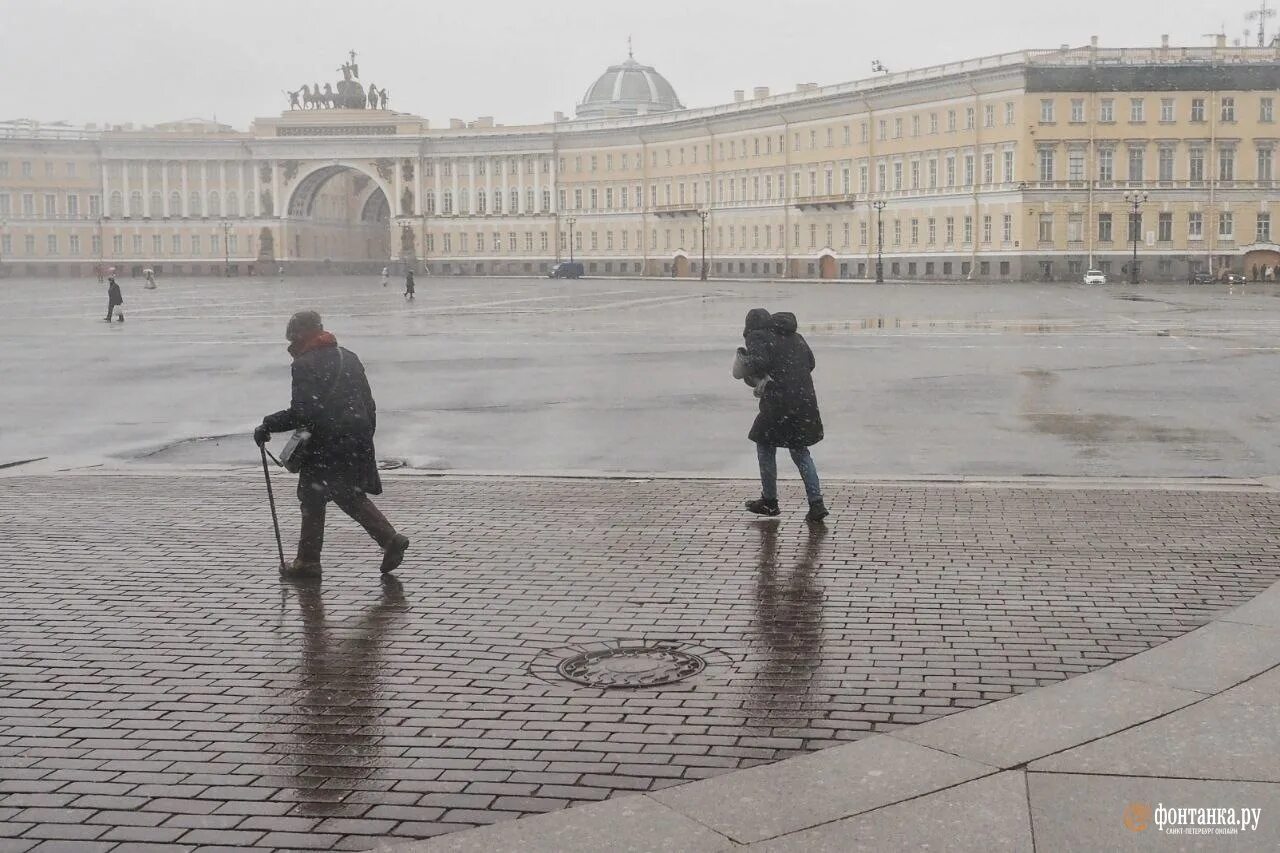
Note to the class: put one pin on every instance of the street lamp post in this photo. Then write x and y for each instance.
(1136, 200)
(702, 214)
(879, 205)
(226, 248)
(570, 222)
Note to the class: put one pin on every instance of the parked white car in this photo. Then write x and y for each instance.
(1095, 277)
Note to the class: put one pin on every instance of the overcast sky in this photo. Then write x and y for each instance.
(149, 61)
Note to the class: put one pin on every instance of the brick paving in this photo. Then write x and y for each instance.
(161, 689)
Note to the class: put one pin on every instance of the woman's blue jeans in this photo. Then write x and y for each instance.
(768, 455)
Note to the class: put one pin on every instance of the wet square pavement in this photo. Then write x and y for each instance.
(161, 685)
(616, 375)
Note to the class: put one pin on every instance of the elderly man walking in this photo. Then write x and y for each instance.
(331, 399)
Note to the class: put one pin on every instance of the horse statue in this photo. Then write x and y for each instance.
(308, 99)
(328, 95)
(373, 97)
(382, 96)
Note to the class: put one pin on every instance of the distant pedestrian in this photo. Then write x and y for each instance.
(408, 285)
(385, 276)
(332, 400)
(1255, 273)
(114, 298)
(778, 364)
(150, 275)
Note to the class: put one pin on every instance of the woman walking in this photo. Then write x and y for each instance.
(778, 364)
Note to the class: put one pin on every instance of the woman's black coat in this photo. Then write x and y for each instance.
(789, 415)
(342, 421)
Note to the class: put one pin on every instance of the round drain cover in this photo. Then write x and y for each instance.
(637, 666)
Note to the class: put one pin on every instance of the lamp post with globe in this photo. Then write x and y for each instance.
(1136, 200)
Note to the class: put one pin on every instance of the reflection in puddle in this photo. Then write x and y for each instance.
(335, 733)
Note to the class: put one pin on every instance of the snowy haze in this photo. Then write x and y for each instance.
(149, 61)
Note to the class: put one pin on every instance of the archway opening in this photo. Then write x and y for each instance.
(826, 267)
(681, 266)
(339, 220)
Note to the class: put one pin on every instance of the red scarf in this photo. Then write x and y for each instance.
(317, 340)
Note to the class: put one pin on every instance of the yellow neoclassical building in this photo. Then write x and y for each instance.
(1038, 164)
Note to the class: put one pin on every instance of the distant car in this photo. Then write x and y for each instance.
(1233, 278)
(567, 269)
(1202, 278)
(1095, 277)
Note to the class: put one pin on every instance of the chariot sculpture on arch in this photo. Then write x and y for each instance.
(345, 94)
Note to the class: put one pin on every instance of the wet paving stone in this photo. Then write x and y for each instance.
(160, 685)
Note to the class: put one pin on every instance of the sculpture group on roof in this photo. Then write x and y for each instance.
(347, 94)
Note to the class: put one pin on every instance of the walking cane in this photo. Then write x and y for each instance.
(275, 522)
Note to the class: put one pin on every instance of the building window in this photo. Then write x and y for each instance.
(195, 244)
(1046, 228)
(950, 230)
(1107, 110)
(862, 233)
(951, 121)
(1008, 113)
(968, 170)
(1008, 167)
(1266, 110)
(1229, 109)
(1135, 164)
(1197, 109)
(1075, 228)
(897, 232)
(1104, 227)
(50, 206)
(1226, 225)
(989, 115)
(1077, 110)
(74, 241)
(986, 229)
(1166, 164)
(1135, 227)
(1164, 228)
(1264, 228)
(1227, 164)
(157, 245)
(1075, 165)
(915, 231)
(26, 173)
(1137, 110)
(137, 245)
(1195, 164)
(897, 128)
(51, 244)
(1166, 109)
(176, 244)
(1006, 228)
(1106, 165)
(1046, 164)
(969, 118)
(951, 171)
(1264, 164)
(933, 123)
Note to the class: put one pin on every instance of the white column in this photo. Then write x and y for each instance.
(186, 182)
(471, 183)
(204, 188)
(506, 195)
(105, 208)
(222, 188)
(521, 201)
(244, 201)
(555, 185)
(417, 187)
(397, 181)
(488, 185)
(146, 189)
(164, 188)
(124, 176)
(275, 189)
(537, 184)
(435, 176)
(454, 166)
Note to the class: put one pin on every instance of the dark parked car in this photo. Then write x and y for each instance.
(1201, 278)
(1233, 278)
(566, 269)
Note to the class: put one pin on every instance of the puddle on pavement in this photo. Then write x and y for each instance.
(925, 324)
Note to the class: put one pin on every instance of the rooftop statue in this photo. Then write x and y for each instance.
(346, 94)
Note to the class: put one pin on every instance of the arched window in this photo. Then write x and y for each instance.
(194, 207)
(116, 206)
(447, 203)
(233, 204)
(215, 204)
(530, 205)
(515, 201)
(546, 201)
(497, 201)
(175, 203)
(157, 203)
(429, 202)
(464, 203)
(135, 203)
(480, 200)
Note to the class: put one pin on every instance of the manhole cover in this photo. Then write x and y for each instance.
(638, 666)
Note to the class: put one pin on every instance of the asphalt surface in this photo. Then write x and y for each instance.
(609, 375)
